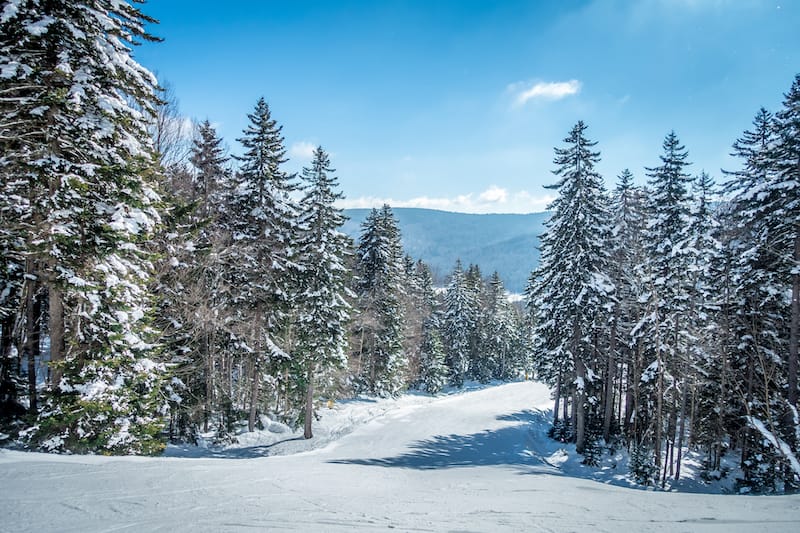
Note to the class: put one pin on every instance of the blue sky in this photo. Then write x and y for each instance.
(457, 105)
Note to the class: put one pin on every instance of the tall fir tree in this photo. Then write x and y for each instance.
(377, 337)
(433, 372)
(768, 250)
(571, 288)
(458, 324)
(78, 165)
(322, 298)
(261, 222)
(627, 251)
(667, 320)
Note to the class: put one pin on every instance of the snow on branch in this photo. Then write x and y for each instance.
(776, 442)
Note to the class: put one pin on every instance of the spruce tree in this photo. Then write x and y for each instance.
(260, 220)
(458, 325)
(75, 112)
(571, 287)
(500, 330)
(433, 372)
(627, 252)
(667, 316)
(766, 210)
(377, 337)
(323, 308)
(782, 213)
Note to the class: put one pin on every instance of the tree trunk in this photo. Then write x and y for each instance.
(33, 311)
(659, 406)
(254, 389)
(309, 415)
(671, 429)
(580, 410)
(681, 429)
(558, 398)
(621, 388)
(5, 349)
(632, 393)
(610, 371)
(794, 330)
(667, 452)
(207, 405)
(57, 335)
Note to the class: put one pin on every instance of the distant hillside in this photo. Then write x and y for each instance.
(503, 242)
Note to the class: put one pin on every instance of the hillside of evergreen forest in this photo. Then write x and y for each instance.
(505, 243)
(158, 290)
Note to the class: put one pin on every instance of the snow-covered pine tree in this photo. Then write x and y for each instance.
(433, 371)
(74, 137)
(210, 161)
(323, 310)
(667, 317)
(571, 289)
(480, 365)
(627, 209)
(422, 313)
(191, 313)
(261, 224)
(420, 306)
(377, 337)
(458, 325)
(751, 312)
(782, 207)
(701, 249)
(767, 214)
(500, 329)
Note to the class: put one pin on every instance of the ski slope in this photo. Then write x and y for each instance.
(474, 461)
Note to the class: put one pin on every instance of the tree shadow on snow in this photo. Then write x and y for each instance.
(249, 452)
(513, 446)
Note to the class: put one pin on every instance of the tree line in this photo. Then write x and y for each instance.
(665, 316)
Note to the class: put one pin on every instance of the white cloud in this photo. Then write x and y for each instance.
(494, 194)
(492, 200)
(543, 90)
(302, 150)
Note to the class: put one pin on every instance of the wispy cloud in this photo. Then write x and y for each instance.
(302, 150)
(556, 90)
(492, 200)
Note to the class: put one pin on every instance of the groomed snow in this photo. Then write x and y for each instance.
(473, 461)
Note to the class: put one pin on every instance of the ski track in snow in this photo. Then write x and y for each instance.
(473, 461)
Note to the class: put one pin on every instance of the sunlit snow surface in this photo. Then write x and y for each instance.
(472, 461)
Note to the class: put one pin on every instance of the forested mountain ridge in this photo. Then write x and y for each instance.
(506, 243)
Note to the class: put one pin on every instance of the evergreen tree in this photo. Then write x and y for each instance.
(323, 309)
(627, 251)
(261, 225)
(433, 372)
(667, 318)
(766, 246)
(571, 289)
(782, 210)
(459, 311)
(209, 161)
(377, 339)
(191, 312)
(500, 330)
(78, 166)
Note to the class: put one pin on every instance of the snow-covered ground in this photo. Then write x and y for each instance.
(472, 461)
